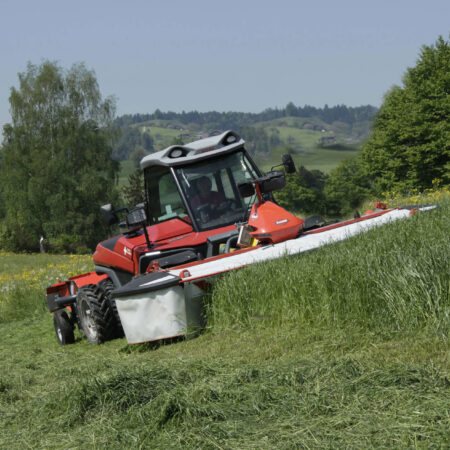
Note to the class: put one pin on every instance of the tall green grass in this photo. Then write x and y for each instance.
(394, 278)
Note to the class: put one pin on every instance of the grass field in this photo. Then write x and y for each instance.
(323, 159)
(344, 347)
(305, 143)
(163, 137)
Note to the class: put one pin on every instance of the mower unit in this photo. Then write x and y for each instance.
(208, 210)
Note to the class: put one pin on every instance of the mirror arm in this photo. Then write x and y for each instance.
(274, 167)
(258, 193)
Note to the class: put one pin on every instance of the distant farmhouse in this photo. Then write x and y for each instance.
(327, 140)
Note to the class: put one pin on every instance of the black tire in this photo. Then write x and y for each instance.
(63, 328)
(108, 286)
(96, 317)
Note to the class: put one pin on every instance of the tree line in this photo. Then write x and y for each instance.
(235, 120)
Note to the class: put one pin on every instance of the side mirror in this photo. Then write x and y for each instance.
(109, 216)
(288, 163)
(272, 181)
(246, 189)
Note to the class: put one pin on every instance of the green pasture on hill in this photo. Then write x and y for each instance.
(163, 137)
(319, 158)
(344, 347)
(304, 142)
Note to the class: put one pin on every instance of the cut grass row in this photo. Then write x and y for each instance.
(343, 347)
(298, 388)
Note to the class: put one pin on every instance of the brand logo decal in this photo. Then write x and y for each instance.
(281, 222)
(126, 251)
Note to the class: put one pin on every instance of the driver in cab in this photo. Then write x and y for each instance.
(205, 194)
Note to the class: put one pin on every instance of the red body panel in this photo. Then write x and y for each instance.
(273, 224)
(87, 278)
(70, 286)
(123, 252)
(114, 258)
(168, 230)
(62, 288)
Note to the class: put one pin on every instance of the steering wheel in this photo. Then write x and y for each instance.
(203, 213)
(211, 211)
(224, 206)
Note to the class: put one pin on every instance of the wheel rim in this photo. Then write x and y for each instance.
(87, 320)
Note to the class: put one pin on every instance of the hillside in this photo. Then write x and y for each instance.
(317, 138)
(346, 346)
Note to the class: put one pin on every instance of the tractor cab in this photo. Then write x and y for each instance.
(203, 193)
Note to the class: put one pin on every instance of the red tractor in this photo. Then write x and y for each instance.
(197, 198)
(208, 210)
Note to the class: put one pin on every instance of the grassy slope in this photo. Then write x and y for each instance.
(323, 159)
(343, 347)
(163, 136)
(306, 145)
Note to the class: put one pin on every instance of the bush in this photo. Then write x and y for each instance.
(67, 243)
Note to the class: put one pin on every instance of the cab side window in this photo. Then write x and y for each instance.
(166, 202)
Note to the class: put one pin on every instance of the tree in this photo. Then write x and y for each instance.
(346, 187)
(56, 168)
(410, 143)
(303, 191)
(147, 141)
(134, 192)
(130, 139)
(257, 140)
(290, 110)
(137, 155)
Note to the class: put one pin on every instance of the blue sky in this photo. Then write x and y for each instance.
(242, 55)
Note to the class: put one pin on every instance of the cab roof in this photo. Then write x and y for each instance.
(177, 155)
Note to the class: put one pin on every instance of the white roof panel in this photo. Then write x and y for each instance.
(195, 151)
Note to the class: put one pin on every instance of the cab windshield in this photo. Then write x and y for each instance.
(211, 189)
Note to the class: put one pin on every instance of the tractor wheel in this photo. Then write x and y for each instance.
(95, 314)
(63, 327)
(108, 286)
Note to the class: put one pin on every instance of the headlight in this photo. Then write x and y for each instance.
(136, 217)
(176, 153)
